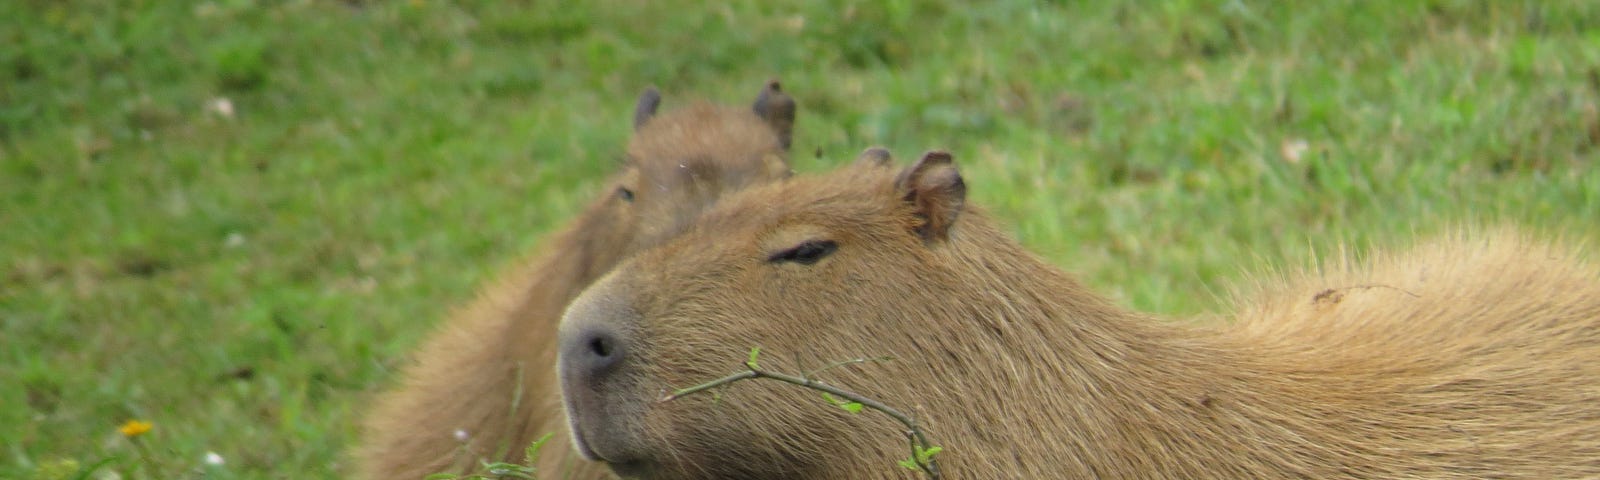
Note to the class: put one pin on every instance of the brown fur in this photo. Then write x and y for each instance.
(486, 373)
(1466, 357)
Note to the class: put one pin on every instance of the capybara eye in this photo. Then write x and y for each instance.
(625, 194)
(806, 253)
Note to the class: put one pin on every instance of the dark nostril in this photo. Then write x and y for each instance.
(593, 353)
(600, 346)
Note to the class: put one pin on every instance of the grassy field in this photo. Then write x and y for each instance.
(233, 219)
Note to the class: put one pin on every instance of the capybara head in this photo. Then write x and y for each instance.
(679, 162)
(465, 378)
(857, 263)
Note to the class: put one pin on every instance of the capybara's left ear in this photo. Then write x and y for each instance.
(777, 109)
(649, 101)
(933, 186)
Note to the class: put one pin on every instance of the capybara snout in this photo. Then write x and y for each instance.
(595, 341)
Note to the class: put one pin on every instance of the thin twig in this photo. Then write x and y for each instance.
(752, 373)
(853, 361)
(919, 441)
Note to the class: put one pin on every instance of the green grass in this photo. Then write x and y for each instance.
(244, 282)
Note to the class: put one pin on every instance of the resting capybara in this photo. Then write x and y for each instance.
(1466, 358)
(483, 386)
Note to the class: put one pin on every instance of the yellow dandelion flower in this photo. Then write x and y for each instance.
(135, 428)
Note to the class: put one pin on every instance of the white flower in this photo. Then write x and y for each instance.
(221, 106)
(1293, 149)
(461, 435)
(213, 459)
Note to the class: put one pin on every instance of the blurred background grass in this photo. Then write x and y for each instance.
(233, 218)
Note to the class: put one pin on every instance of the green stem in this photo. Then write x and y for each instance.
(913, 430)
(147, 465)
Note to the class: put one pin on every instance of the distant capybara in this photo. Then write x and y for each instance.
(484, 386)
(1474, 356)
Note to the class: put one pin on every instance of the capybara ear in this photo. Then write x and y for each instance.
(649, 101)
(874, 157)
(934, 187)
(777, 109)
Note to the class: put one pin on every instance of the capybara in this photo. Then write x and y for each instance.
(1473, 356)
(483, 386)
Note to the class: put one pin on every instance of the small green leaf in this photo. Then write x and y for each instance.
(852, 407)
(911, 465)
(533, 448)
(754, 352)
(442, 476)
(532, 452)
(926, 455)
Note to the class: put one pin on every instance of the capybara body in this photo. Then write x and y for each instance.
(1473, 356)
(482, 386)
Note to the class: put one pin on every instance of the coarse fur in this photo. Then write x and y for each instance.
(482, 386)
(1469, 356)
